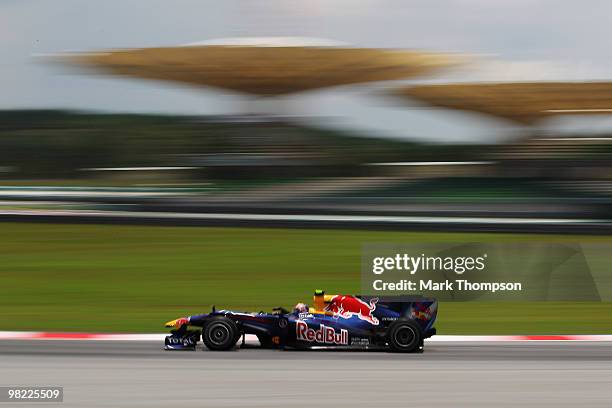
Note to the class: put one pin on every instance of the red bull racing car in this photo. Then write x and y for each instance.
(398, 324)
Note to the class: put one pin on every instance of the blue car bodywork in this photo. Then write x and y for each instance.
(336, 321)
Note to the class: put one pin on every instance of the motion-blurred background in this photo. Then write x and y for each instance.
(285, 152)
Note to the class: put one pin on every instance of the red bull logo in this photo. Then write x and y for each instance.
(421, 315)
(345, 306)
(325, 335)
(423, 312)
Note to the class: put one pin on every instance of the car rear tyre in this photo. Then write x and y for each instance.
(405, 336)
(220, 334)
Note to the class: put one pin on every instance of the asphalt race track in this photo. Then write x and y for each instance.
(140, 374)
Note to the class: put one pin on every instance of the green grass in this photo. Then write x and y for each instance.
(127, 278)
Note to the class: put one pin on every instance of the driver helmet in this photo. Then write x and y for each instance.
(301, 308)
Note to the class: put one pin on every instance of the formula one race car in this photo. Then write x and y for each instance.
(397, 324)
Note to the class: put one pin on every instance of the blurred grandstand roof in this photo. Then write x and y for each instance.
(270, 42)
(526, 102)
(265, 66)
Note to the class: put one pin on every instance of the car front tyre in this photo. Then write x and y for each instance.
(220, 334)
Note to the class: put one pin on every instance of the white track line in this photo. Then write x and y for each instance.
(301, 217)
